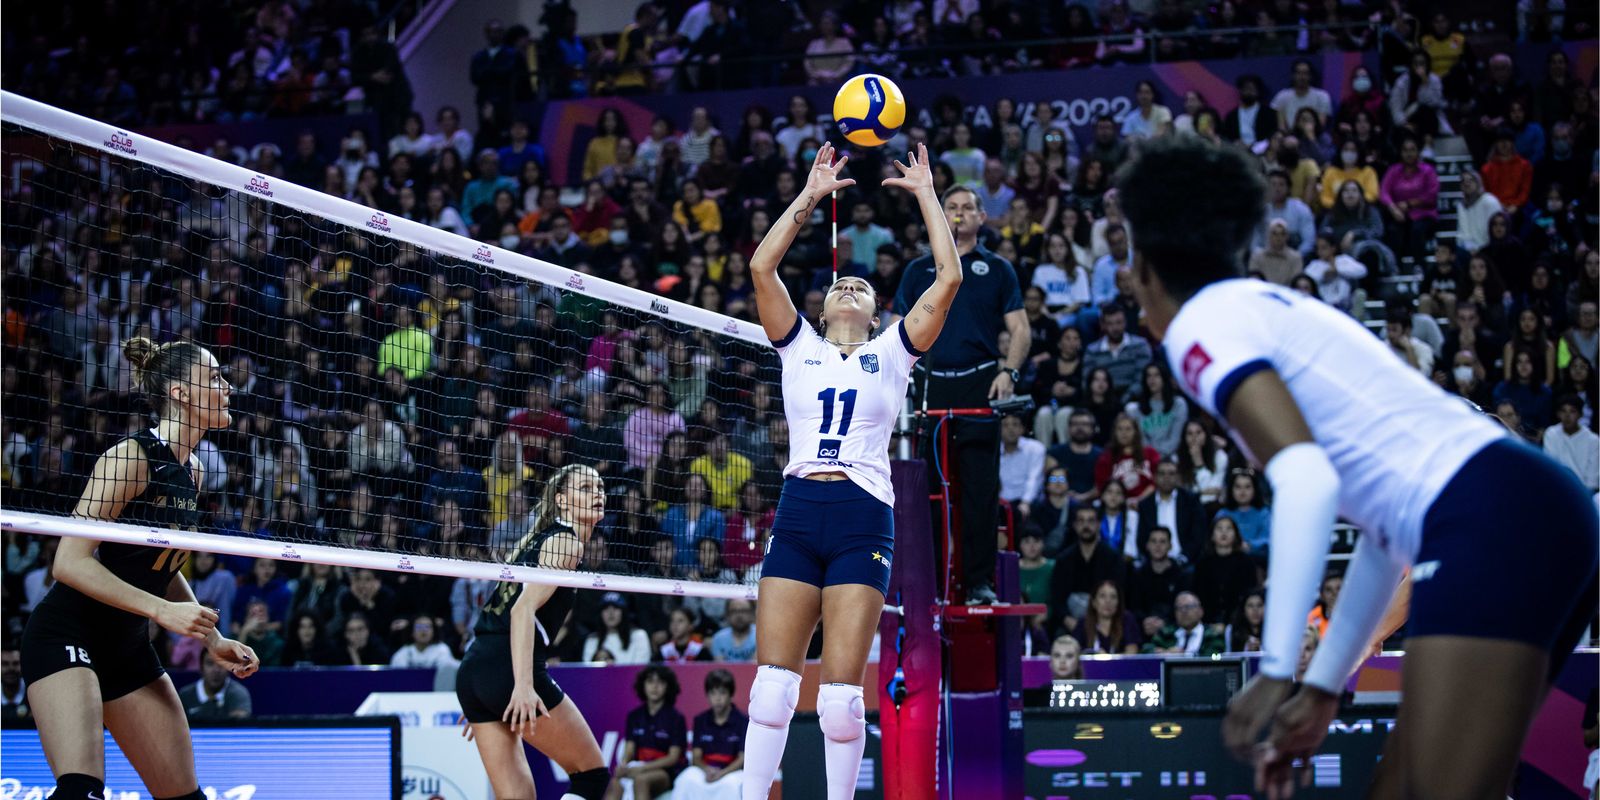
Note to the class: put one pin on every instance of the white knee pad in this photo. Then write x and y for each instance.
(773, 696)
(843, 711)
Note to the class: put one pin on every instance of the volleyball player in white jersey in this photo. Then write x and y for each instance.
(833, 536)
(1501, 541)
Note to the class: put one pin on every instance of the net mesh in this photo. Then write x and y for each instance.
(388, 395)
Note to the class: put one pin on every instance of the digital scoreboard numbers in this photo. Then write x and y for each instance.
(1105, 695)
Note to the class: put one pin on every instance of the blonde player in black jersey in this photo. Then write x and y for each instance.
(86, 652)
(507, 696)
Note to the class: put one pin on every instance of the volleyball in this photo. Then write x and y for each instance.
(869, 109)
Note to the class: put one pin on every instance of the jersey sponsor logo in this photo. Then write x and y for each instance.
(829, 448)
(1424, 571)
(880, 558)
(483, 254)
(659, 307)
(869, 363)
(1195, 362)
(812, 362)
(980, 268)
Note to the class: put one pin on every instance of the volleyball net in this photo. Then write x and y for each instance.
(400, 393)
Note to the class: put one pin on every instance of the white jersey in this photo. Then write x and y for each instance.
(842, 409)
(1395, 438)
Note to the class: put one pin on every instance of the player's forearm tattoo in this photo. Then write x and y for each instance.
(928, 307)
(800, 216)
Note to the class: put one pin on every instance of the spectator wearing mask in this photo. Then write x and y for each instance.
(216, 696)
(1348, 167)
(1188, 635)
(1573, 445)
(1249, 122)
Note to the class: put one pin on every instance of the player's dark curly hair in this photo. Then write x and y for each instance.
(1192, 207)
(667, 677)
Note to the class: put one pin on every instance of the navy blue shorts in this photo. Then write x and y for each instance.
(1508, 551)
(830, 532)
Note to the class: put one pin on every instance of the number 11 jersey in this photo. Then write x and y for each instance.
(842, 408)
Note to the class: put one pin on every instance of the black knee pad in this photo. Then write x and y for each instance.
(194, 795)
(77, 786)
(590, 784)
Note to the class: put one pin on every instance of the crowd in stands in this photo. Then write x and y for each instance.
(390, 398)
(156, 64)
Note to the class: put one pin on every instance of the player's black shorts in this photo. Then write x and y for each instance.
(59, 638)
(484, 681)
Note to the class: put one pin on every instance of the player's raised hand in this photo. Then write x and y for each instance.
(916, 174)
(824, 177)
(187, 619)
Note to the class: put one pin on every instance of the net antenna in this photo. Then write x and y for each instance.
(38, 136)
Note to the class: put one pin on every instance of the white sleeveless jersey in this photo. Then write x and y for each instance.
(1395, 438)
(842, 409)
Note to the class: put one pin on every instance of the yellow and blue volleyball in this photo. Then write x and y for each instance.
(869, 109)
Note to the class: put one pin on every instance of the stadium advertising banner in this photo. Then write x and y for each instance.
(256, 760)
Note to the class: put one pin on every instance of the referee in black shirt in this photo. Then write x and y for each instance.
(965, 369)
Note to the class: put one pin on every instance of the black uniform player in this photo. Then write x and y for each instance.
(88, 639)
(502, 684)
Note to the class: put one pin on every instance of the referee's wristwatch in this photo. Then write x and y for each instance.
(1016, 377)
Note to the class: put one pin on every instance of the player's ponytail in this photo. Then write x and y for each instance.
(157, 367)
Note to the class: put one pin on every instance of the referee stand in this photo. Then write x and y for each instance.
(951, 686)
